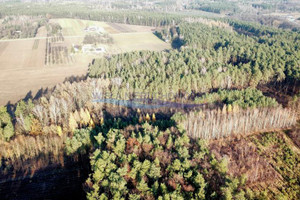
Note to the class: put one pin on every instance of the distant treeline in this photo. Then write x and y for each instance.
(217, 6)
(88, 13)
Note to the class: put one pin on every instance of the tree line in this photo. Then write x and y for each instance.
(231, 121)
(84, 11)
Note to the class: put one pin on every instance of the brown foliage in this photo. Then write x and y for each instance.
(163, 139)
(164, 157)
(147, 148)
(172, 184)
(188, 188)
(131, 144)
(243, 158)
(36, 127)
(295, 136)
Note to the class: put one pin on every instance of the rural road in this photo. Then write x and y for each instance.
(39, 38)
(66, 37)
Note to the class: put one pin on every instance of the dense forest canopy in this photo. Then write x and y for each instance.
(148, 163)
(209, 57)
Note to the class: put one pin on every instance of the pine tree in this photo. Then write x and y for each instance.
(6, 126)
(143, 186)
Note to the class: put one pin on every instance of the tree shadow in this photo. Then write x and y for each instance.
(41, 177)
(177, 43)
(76, 79)
(41, 92)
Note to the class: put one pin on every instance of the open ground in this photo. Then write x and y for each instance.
(24, 68)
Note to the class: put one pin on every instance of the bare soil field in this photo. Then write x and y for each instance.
(24, 69)
(3, 46)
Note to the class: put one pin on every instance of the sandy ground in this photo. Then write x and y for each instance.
(22, 62)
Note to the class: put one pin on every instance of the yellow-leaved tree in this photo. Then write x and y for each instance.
(153, 117)
(72, 122)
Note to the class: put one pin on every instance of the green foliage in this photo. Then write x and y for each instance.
(243, 98)
(217, 7)
(97, 39)
(79, 142)
(24, 116)
(142, 164)
(178, 117)
(90, 12)
(6, 126)
(14, 27)
(210, 58)
(274, 146)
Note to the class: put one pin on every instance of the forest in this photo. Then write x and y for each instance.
(240, 140)
(208, 58)
(14, 27)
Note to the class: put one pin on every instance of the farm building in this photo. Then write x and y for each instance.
(95, 29)
(76, 48)
(88, 48)
(100, 50)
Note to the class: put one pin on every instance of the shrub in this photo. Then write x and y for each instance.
(6, 126)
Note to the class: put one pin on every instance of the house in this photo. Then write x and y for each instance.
(291, 18)
(88, 48)
(95, 29)
(76, 48)
(100, 50)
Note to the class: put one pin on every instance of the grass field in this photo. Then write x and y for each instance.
(76, 27)
(23, 66)
(125, 42)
